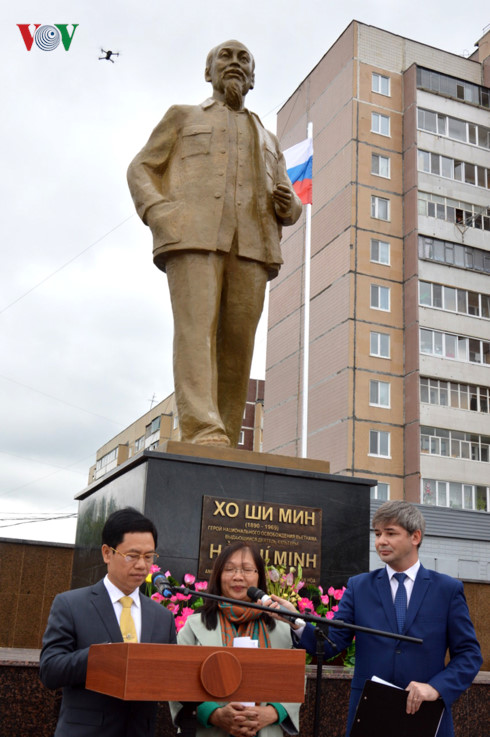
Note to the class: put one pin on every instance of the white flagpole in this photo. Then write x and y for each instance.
(306, 324)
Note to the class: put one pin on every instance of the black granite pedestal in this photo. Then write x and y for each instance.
(169, 486)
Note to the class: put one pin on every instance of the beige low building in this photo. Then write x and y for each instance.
(161, 423)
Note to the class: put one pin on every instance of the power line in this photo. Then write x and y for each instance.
(63, 266)
(36, 460)
(62, 401)
(42, 478)
(29, 519)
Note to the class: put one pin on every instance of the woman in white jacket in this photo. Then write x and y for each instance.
(238, 567)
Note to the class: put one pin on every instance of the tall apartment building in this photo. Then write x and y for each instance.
(399, 339)
(161, 423)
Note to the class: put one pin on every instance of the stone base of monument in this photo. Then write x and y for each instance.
(201, 497)
(33, 710)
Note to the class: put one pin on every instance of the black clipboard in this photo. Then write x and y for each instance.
(382, 711)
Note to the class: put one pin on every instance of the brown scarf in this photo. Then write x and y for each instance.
(241, 621)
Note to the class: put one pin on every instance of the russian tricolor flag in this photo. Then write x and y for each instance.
(299, 163)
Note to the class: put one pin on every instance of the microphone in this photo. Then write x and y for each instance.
(260, 596)
(162, 584)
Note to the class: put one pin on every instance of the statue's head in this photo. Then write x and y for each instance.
(230, 69)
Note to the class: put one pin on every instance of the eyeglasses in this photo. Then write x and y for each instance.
(148, 558)
(229, 570)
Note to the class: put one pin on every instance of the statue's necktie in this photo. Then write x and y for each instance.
(126, 623)
(401, 601)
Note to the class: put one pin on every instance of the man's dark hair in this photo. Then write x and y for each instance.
(400, 513)
(123, 521)
(209, 612)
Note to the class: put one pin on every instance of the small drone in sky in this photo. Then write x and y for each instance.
(108, 55)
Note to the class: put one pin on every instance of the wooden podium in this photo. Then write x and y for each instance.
(149, 672)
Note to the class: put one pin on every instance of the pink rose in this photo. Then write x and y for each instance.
(329, 615)
(182, 618)
(157, 597)
(201, 585)
(154, 568)
(179, 622)
(304, 604)
(189, 578)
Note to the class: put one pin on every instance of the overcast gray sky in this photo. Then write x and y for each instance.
(85, 321)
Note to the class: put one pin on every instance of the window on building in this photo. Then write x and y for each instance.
(456, 347)
(455, 444)
(454, 300)
(461, 171)
(380, 298)
(380, 124)
(464, 214)
(481, 498)
(107, 459)
(380, 252)
(379, 443)
(380, 165)
(433, 391)
(176, 421)
(241, 438)
(464, 257)
(381, 491)
(379, 345)
(154, 426)
(455, 128)
(379, 393)
(449, 86)
(380, 84)
(139, 444)
(380, 208)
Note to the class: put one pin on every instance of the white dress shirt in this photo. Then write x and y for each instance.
(409, 581)
(115, 594)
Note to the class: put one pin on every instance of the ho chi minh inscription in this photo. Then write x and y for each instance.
(287, 535)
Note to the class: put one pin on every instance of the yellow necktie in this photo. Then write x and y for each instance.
(127, 625)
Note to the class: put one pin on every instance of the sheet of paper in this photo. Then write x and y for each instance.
(245, 642)
(386, 683)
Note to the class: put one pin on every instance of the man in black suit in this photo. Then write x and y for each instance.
(92, 615)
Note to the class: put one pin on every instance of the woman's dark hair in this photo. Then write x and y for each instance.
(209, 611)
(123, 521)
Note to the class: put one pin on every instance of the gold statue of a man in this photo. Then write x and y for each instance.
(211, 183)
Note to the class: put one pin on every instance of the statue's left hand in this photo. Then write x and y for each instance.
(283, 198)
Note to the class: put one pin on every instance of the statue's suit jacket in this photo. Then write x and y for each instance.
(178, 183)
(85, 617)
(437, 613)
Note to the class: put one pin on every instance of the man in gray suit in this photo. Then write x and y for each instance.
(93, 615)
(211, 183)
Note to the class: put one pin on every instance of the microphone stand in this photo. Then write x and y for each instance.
(321, 633)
